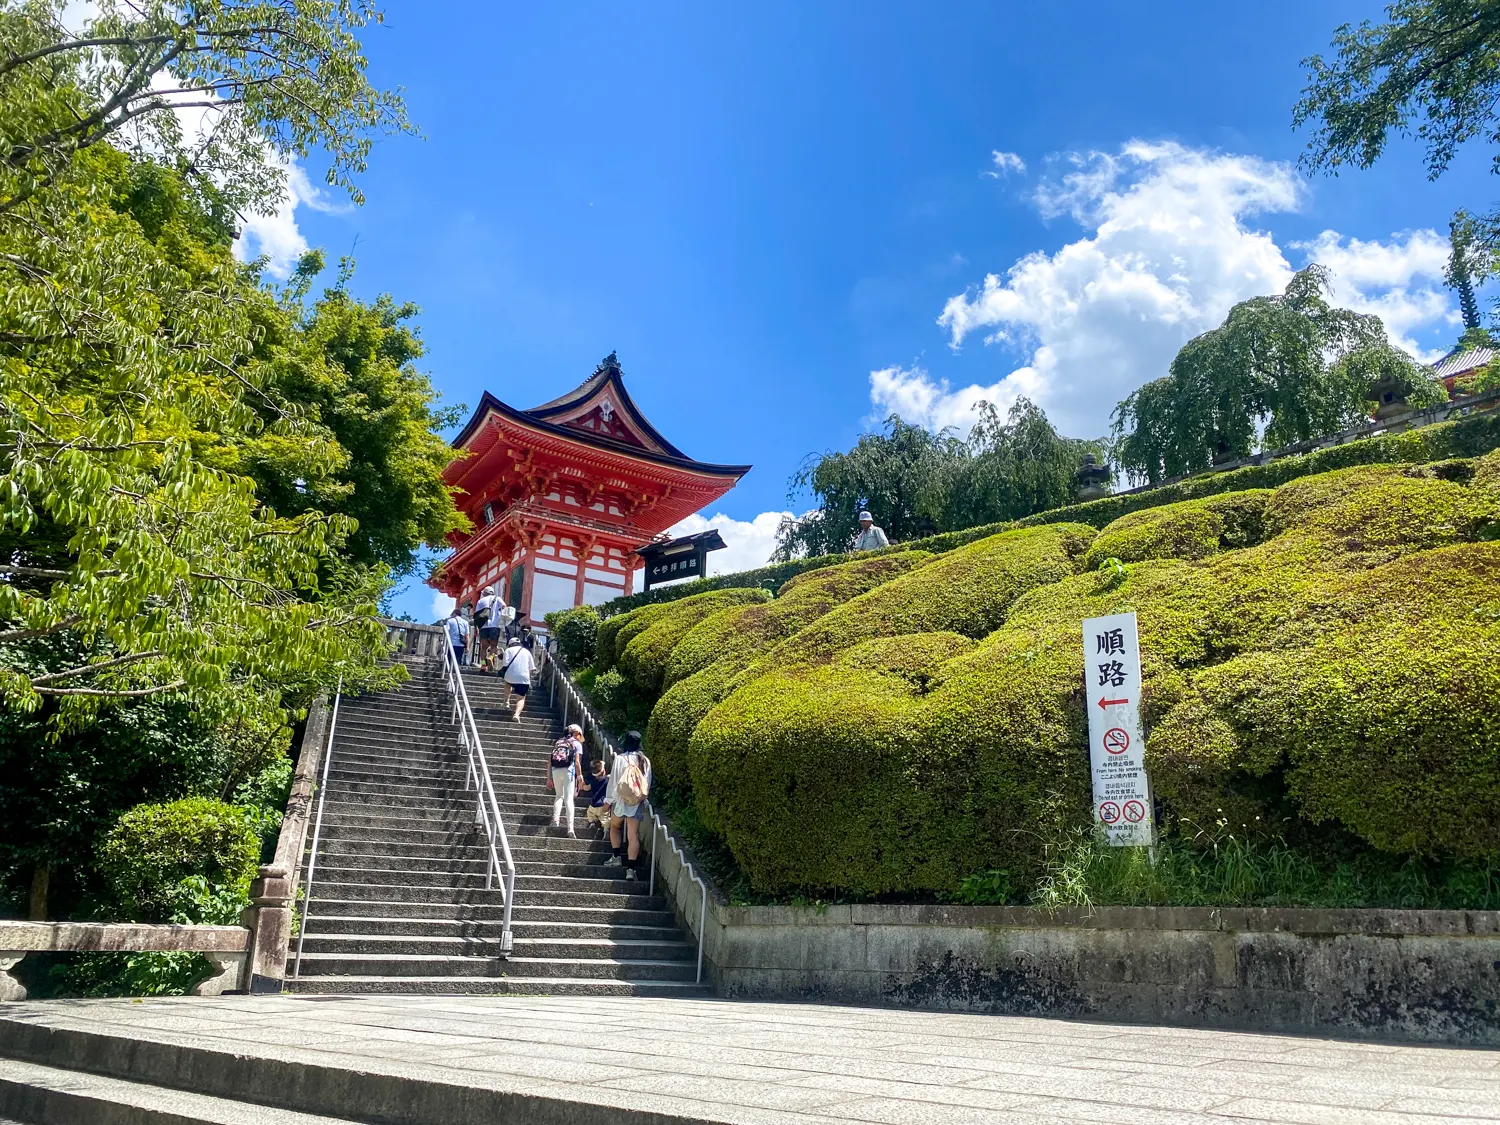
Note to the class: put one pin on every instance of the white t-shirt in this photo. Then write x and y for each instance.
(517, 665)
(458, 630)
(490, 602)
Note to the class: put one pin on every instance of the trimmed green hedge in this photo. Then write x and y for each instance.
(711, 656)
(642, 641)
(1333, 677)
(576, 630)
(1464, 438)
(173, 861)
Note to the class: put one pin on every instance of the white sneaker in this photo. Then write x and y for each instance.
(555, 824)
(614, 861)
(630, 874)
(572, 835)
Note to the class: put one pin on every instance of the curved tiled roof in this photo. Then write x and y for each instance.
(1457, 363)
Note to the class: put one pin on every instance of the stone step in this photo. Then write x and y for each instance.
(354, 852)
(580, 968)
(650, 912)
(45, 1095)
(529, 877)
(496, 986)
(454, 810)
(581, 892)
(377, 927)
(488, 946)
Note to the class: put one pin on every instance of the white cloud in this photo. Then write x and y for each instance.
(747, 544)
(1400, 281)
(1004, 164)
(1168, 248)
(442, 605)
(919, 398)
(277, 235)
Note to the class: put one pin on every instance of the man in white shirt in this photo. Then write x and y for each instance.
(518, 665)
(458, 633)
(870, 537)
(487, 621)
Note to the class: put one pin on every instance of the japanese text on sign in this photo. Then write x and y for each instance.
(1112, 681)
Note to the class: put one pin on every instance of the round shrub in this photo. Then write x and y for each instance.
(576, 631)
(708, 660)
(1380, 511)
(739, 634)
(161, 861)
(967, 591)
(1192, 529)
(645, 650)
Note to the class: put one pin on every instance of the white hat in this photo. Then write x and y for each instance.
(513, 642)
(489, 589)
(866, 516)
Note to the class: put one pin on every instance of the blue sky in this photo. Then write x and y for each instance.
(782, 216)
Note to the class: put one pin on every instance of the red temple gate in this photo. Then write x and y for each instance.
(563, 495)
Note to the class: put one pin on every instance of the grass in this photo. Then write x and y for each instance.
(1226, 870)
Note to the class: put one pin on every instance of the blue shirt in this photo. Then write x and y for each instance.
(598, 789)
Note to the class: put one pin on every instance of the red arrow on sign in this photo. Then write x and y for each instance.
(1103, 703)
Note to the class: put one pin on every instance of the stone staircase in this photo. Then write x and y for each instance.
(398, 898)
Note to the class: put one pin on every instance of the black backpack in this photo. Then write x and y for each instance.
(562, 753)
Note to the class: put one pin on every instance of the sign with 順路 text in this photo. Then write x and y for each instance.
(1112, 683)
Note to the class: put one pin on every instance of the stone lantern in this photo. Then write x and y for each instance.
(1091, 481)
(1390, 398)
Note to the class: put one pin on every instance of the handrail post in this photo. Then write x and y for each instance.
(500, 865)
(596, 733)
(312, 862)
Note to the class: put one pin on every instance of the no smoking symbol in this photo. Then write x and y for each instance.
(1109, 812)
(1135, 812)
(1116, 740)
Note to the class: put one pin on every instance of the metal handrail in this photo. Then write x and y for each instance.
(487, 808)
(593, 731)
(312, 860)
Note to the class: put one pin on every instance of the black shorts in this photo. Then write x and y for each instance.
(519, 689)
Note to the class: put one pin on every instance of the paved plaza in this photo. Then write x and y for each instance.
(752, 1063)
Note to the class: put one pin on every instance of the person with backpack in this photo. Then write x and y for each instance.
(487, 621)
(629, 786)
(563, 770)
(597, 780)
(517, 673)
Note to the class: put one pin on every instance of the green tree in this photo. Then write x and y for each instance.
(128, 366)
(1277, 371)
(903, 476)
(1019, 465)
(915, 482)
(1430, 71)
(349, 368)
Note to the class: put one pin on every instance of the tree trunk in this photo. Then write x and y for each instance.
(41, 876)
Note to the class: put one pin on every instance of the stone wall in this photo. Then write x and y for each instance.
(1423, 975)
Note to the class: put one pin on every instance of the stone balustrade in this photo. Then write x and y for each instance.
(226, 947)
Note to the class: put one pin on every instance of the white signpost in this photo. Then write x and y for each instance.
(1112, 678)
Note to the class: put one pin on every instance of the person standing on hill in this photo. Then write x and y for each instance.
(487, 621)
(517, 672)
(629, 786)
(458, 634)
(870, 538)
(565, 767)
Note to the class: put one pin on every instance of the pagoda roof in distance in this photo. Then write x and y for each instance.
(1459, 362)
(600, 412)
